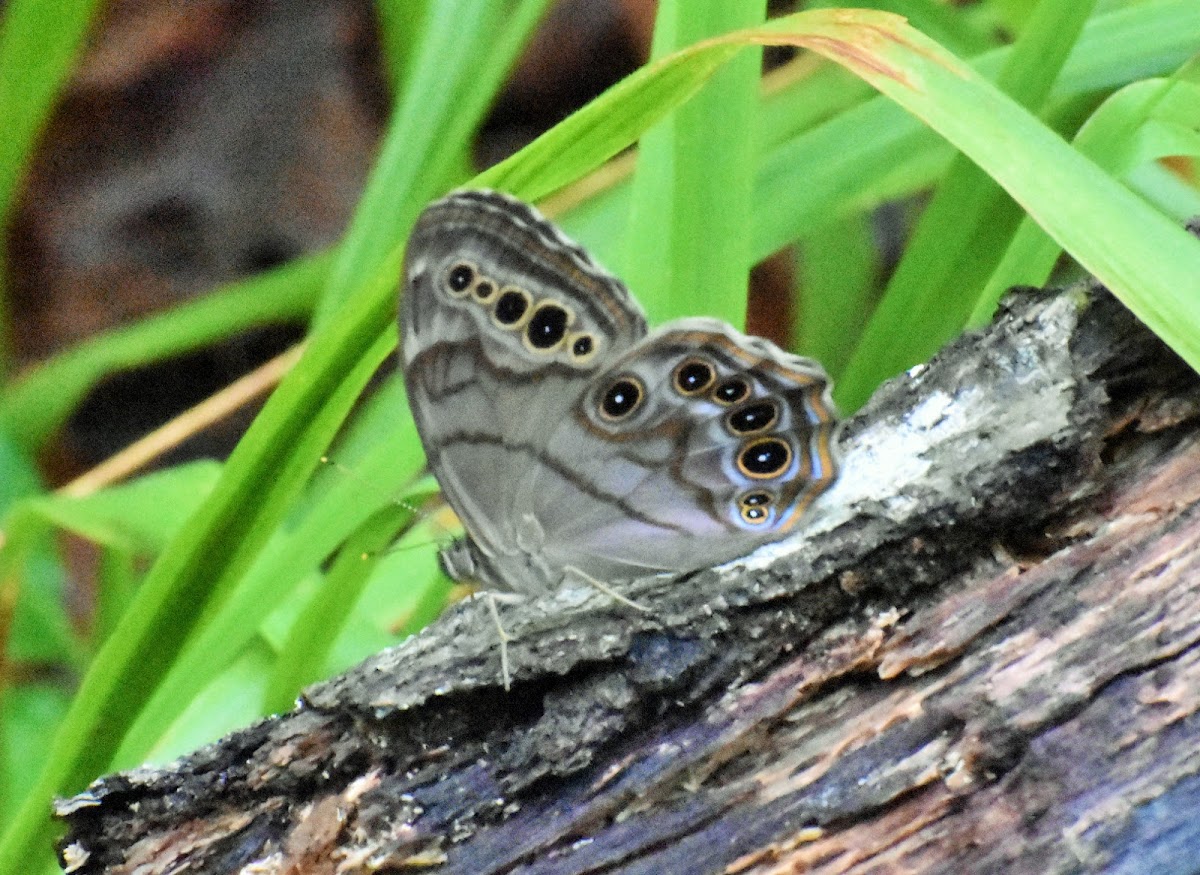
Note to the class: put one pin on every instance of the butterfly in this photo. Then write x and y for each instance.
(571, 440)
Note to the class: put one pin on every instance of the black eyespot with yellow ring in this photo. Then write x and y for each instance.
(693, 376)
(731, 391)
(755, 507)
(547, 327)
(512, 307)
(583, 347)
(483, 290)
(622, 398)
(765, 458)
(459, 278)
(751, 418)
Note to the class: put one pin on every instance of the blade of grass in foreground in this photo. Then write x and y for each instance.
(1156, 268)
(1119, 137)
(877, 151)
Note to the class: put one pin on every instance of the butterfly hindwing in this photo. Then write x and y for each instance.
(725, 442)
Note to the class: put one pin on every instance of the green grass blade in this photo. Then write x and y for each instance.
(965, 32)
(461, 56)
(837, 267)
(875, 152)
(39, 42)
(133, 519)
(1121, 136)
(34, 625)
(400, 24)
(800, 96)
(141, 515)
(1150, 263)
(687, 249)
(25, 712)
(608, 124)
(965, 228)
(38, 403)
(314, 632)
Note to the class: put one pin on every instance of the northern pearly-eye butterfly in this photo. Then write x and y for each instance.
(567, 437)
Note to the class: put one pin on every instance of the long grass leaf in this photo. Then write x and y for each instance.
(1114, 138)
(39, 42)
(688, 245)
(969, 221)
(38, 403)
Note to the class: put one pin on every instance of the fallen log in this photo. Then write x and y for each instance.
(981, 655)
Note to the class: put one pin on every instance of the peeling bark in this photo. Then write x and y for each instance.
(981, 656)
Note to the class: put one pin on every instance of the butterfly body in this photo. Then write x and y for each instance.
(567, 437)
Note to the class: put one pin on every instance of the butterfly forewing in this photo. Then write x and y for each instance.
(502, 321)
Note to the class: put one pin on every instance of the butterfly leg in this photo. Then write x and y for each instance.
(493, 599)
(570, 570)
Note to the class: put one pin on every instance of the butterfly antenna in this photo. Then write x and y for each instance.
(606, 589)
(423, 510)
(505, 675)
(402, 503)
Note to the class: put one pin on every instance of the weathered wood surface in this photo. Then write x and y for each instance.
(981, 657)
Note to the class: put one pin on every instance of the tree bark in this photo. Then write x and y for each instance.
(980, 656)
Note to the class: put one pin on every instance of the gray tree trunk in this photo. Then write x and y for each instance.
(981, 656)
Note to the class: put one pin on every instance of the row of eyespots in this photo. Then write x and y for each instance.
(694, 377)
(760, 459)
(545, 325)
